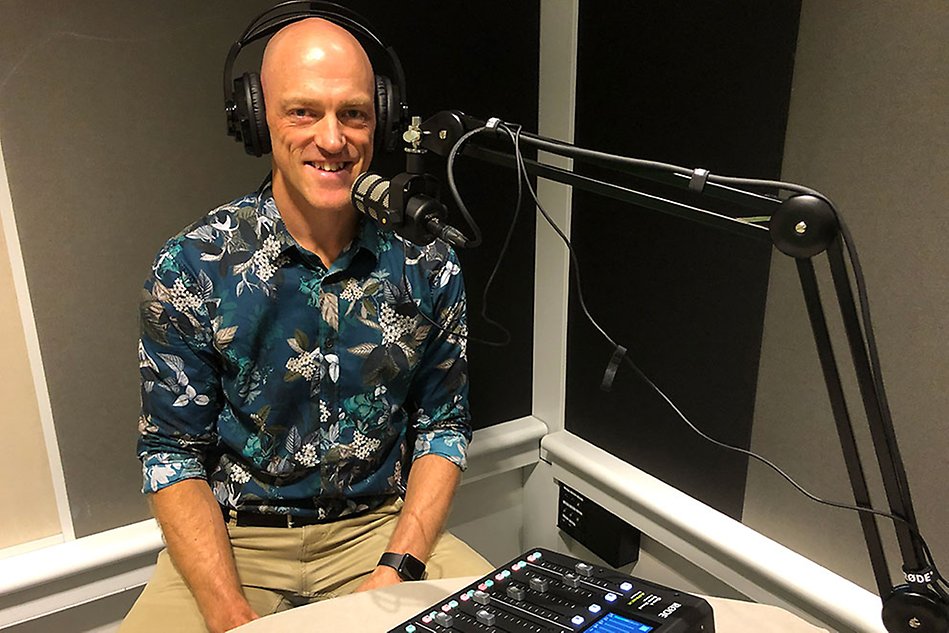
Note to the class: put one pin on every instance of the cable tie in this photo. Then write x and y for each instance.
(493, 123)
(699, 178)
(612, 368)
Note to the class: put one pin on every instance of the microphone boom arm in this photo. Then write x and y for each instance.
(802, 226)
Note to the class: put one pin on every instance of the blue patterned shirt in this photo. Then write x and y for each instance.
(292, 388)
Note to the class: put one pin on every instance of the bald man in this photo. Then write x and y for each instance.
(284, 395)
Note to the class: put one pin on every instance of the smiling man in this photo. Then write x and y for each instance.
(319, 90)
(286, 390)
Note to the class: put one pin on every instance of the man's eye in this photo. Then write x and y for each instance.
(355, 115)
(299, 113)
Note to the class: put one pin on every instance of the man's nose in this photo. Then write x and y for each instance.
(330, 135)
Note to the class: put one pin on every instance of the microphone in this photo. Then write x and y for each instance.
(370, 195)
(410, 213)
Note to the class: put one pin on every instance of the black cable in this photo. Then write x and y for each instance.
(870, 339)
(769, 464)
(560, 148)
(454, 187)
(507, 242)
(672, 405)
(519, 157)
(876, 370)
(521, 175)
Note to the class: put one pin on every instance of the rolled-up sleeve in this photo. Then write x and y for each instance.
(442, 422)
(180, 385)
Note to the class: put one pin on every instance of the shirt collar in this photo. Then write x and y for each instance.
(270, 223)
(367, 238)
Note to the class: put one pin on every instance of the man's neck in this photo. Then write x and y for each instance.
(323, 232)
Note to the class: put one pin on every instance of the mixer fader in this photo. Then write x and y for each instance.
(547, 592)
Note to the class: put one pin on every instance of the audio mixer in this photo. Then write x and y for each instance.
(547, 592)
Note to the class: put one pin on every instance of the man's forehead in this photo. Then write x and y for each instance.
(314, 40)
(310, 99)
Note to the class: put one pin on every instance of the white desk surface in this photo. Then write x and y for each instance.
(382, 609)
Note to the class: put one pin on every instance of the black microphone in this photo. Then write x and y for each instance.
(409, 213)
(370, 195)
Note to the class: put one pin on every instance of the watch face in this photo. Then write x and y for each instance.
(411, 568)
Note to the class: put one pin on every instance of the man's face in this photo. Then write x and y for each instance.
(319, 102)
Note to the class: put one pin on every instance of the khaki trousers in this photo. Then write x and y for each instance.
(281, 568)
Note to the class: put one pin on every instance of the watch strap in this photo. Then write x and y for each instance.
(407, 566)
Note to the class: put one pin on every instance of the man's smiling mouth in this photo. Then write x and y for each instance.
(326, 165)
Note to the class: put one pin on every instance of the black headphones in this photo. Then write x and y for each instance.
(244, 98)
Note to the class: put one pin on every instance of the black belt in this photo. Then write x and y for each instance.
(244, 518)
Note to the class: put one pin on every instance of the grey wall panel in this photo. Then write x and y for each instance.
(113, 140)
(868, 125)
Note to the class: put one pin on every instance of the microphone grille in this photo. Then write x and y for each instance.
(370, 188)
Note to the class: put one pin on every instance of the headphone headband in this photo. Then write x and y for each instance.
(243, 99)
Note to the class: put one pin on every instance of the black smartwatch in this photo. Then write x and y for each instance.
(407, 566)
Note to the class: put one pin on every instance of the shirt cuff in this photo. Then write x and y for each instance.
(452, 445)
(160, 470)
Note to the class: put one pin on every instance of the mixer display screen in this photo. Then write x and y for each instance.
(613, 623)
(547, 592)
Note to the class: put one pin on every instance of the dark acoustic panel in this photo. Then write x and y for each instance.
(458, 59)
(702, 85)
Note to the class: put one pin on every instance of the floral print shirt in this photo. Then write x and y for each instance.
(292, 388)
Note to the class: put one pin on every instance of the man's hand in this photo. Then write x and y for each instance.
(220, 622)
(382, 576)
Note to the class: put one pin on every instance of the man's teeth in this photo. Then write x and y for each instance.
(328, 166)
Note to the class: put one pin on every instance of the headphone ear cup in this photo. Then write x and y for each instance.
(249, 99)
(387, 115)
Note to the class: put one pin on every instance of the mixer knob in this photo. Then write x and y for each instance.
(444, 619)
(584, 569)
(485, 617)
(516, 592)
(538, 584)
(481, 597)
(571, 580)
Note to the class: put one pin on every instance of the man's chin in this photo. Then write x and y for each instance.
(336, 202)
(312, 197)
